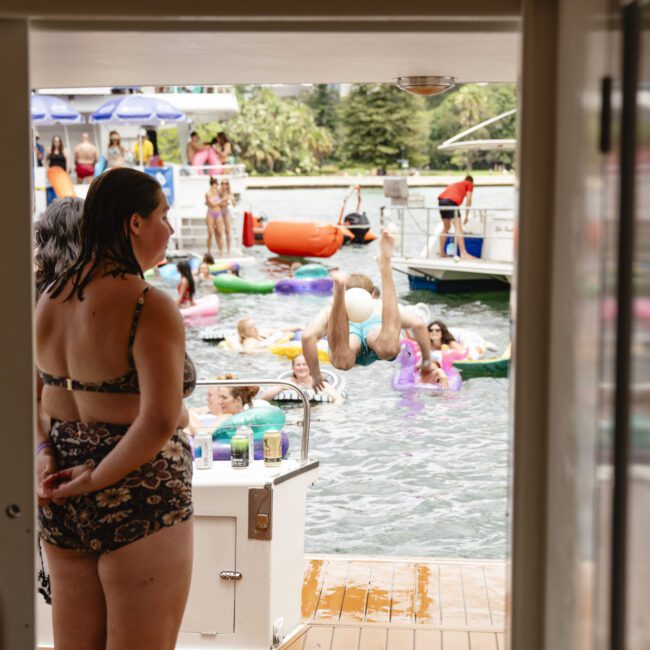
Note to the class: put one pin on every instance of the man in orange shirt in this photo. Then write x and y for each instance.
(449, 202)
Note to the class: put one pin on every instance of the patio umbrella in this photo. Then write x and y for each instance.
(137, 109)
(49, 109)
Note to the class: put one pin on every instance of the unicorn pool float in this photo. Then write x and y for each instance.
(408, 376)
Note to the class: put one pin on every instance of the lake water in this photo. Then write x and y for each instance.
(411, 475)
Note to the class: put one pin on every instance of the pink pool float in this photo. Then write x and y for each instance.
(205, 312)
(408, 376)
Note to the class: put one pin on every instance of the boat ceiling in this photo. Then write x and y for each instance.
(86, 54)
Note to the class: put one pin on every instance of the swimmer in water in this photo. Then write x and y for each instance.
(378, 337)
(303, 378)
(254, 339)
(186, 287)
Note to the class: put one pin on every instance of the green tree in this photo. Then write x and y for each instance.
(380, 124)
(324, 102)
(272, 134)
(467, 106)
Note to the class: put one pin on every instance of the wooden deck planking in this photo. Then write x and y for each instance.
(428, 640)
(455, 640)
(427, 594)
(385, 604)
(495, 582)
(373, 638)
(483, 641)
(333, 592)
(311, 587)
(402, 601)
(452, 602)
(400, 639)
(345, 638)
(477, 607)
(318, 638)
(353, 609)
(379, 593)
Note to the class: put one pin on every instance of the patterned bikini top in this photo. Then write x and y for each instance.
(128, 382)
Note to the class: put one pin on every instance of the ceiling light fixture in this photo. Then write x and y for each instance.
(425, 85)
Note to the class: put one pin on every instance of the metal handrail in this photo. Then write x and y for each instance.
(306, 409)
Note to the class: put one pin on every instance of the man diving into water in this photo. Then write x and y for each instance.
(378, 337)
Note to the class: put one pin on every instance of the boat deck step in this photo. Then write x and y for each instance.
(359, 603)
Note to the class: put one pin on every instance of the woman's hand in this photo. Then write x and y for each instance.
(69, 482)
(45, 466)
(441, 377)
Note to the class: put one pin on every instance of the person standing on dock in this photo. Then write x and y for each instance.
(85, 158)
(449, 202)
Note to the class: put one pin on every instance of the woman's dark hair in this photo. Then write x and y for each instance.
(153, 138)
(244, 393)
(111, 201)
(56, 240)
(114, 134)
(208, 259)
(222, 138)
(59, 148)
(446, 336)
(185, 270)
(193, 134)
(213, 181)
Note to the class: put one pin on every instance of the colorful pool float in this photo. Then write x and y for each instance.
(305, 285)
(496, 367)
(226, 283)
(204, 312)
(334, 379)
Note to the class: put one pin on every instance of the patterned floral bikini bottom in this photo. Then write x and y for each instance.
(156, 495)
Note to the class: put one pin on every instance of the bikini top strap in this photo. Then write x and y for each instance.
(134, 325)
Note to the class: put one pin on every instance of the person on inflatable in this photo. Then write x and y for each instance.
(440, 336)
(303, 378)
(213, 218)
(186, 287)
(203, 275)
(234, 399)
(208, 417)
(252, 339)
(377, 337)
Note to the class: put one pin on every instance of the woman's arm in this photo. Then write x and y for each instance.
(45, 460)
(159, 353)
(333, 393)
(272, 392)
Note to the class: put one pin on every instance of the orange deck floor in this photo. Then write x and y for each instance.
(352, 603)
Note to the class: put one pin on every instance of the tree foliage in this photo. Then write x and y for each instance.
(467, 106)
(381, 124)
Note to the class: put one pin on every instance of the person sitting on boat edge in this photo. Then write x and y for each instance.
(303, 378)
(253, 339)
(449, 201)
(186, 287)
(378, 337)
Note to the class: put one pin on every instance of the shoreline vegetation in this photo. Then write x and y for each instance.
(365, 130)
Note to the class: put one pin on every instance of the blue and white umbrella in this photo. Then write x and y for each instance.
(137, 109)
(48, 109)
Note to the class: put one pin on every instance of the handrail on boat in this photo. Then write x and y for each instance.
(306, 409)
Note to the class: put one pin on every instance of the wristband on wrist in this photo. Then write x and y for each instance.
(42, 446)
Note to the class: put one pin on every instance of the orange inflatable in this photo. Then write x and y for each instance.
(303, 239)
(60, 181)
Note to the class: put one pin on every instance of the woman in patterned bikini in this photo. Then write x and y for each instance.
(117, 530)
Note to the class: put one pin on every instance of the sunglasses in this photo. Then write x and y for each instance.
(435, 329)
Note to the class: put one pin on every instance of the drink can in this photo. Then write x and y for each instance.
(239, 451)
(203, 450)
(248, 431)
(272, 448)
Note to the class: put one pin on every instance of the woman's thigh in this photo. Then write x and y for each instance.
(146, 584)
(78, 606)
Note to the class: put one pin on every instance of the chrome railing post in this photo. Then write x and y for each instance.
(306, 410)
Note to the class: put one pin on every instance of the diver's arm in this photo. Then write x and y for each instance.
(468, 204)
